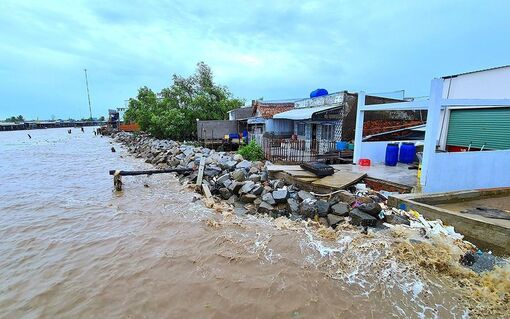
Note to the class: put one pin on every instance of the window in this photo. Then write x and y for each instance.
(301, 129)
(328, 132)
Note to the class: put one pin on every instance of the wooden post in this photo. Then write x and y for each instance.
(358, 133)
(201, 171)
(117, 181)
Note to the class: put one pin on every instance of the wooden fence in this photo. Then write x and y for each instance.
(296, 150)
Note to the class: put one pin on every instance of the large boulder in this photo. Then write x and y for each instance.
(340, 209)
(268, 198)
(373, 209)
(360, 218)
(304, 195)
(246, 165)
(334, 220)
(247, 187)
(238, 175)
(225, 193)
(308, 208)
(323, 208)
(281, 195)
(248, 198)
(293, 206)
(265, 208)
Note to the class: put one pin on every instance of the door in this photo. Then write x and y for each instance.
(314, 143)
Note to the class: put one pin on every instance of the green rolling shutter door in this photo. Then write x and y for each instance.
(489, 126)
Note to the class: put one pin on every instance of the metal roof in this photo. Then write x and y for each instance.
(303, 113)
(482, 70)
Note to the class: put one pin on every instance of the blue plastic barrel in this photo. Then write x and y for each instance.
(341, 146)
(407, 153)
(391, 154)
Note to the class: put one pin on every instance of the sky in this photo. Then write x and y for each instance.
(271, 49)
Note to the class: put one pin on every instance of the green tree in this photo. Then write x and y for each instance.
(16, 119)
(173, 112)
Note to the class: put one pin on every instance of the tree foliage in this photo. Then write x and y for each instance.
(15, 119)
(172, 113)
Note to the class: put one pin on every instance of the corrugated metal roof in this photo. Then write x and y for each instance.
(302, 113)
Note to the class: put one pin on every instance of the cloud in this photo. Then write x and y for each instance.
(275, 49)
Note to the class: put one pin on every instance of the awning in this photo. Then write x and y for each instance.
(303, 113)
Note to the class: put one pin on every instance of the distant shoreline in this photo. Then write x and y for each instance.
(8, 127)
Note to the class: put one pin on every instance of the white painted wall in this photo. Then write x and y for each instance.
(468, 170)
(490, 84)
(376, 151)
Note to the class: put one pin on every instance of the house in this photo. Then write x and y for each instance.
(315, 124)
(261, 121)
(467, 134)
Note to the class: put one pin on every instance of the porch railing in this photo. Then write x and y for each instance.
(296, 150)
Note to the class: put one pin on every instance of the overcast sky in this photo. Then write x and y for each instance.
(272, 49)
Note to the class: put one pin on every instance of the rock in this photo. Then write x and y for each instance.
(238, 175)
(247, 187)
(277, 184)
(172, 162)
(268, 198)
(187, 151)
(345, 196)
(225, 193)
(265, 208)
(334, 220)
(397, 220)
(373, 209)
(340, 209)
(212, 171)
(235, 187)
(308, 208)
(254, 178)
(324, 221)
(244, 165)
(248, 198)
(227, 183)
(254, 170)
(263, 177)
(257, 190)
(280, 196)
(238, 157)
(230, 165)
(304, 195)
(323, 208)
(360, 218)
(293, 206)
(232, 200)
(223, 178)
(257, 201)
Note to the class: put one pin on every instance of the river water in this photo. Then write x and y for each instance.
(71, 247)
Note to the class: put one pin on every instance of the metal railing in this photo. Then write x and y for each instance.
(296, 150)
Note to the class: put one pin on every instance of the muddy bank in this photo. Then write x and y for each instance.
(399, 239)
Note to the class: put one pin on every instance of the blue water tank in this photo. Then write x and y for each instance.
(407, 153)
(391, 158)
(319, 92)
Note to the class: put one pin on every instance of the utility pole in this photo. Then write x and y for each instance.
(88, 93)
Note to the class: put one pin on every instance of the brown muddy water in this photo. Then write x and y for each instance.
(73, 248)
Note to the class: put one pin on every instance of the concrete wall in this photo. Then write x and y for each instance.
(489, 84)
(376, 151)
(468, 170)
(215, 129)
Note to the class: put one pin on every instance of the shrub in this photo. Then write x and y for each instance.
(252, 151)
